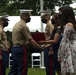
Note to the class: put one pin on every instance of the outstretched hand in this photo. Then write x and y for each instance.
(41, 42)
(41, 48)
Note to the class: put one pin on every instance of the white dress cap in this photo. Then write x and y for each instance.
(4, 17)
(44, 12)
(25, 11)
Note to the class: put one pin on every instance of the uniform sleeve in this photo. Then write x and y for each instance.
(0, 34)
(26, 32)
(51, 27)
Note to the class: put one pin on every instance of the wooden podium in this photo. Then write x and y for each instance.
(38, 36)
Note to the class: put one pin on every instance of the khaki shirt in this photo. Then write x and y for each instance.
(3, 39)
(20, 33)
(48, 30)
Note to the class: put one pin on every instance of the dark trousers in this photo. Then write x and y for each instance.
(48, 62)
(19, 61)
(4, 62)
(1, 63)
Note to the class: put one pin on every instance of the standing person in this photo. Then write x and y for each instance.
(67, 49)
(3, 44)
(0, 62)
(45, 18)
(20, 37)
(56, 37)
(55, 42)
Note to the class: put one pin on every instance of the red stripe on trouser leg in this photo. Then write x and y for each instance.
(24, 62)
(1, 63)
(50, 65)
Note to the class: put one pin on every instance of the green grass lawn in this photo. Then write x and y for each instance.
(32, 71)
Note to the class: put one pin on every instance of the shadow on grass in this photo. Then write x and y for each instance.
(32, 71)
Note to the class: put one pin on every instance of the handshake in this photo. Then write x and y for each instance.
(44, 45)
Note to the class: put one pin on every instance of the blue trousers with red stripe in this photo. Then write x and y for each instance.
(48, 62)
(19, 61)
(3, 62)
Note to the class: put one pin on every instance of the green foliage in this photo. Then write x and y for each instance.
(64, 2)
(12, 6)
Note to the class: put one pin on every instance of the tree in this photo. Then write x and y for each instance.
(64, 2)
(3, 4)
(12, 6)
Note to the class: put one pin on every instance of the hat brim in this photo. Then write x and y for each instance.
(4, 19)
(42, 16)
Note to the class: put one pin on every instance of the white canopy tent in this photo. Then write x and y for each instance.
(34, 24)
(74, 0)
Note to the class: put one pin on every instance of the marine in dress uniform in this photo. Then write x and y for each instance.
(3, 44)
(45, 18)
(20, 37)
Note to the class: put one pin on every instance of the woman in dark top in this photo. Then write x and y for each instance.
(55, 47)
(55, 41)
